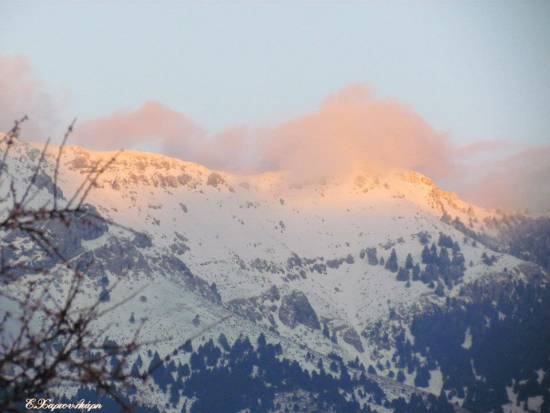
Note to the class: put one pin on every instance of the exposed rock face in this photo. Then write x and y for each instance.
(215, 179)
(44, 181)
(66, 237)
(83, 226)
(296, 309)
(351, 337)
(175, 267)
(118, 256)
(258, 308)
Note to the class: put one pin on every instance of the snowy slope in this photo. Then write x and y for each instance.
(277, 256)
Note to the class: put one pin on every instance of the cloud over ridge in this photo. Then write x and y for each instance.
(351, 128)
(23, 93)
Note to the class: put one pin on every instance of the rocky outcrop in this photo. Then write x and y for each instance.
(351, 337)
(215, 180)
(177, 268)
(295, 309)
(259, 308)
(118, 256)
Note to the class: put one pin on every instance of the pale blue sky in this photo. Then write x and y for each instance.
(476, 70)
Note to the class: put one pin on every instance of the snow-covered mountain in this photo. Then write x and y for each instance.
(384, 271)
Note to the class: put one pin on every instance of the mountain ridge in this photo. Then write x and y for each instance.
(325, 264)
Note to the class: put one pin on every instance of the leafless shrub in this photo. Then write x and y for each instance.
(47, 338)
(51, 340)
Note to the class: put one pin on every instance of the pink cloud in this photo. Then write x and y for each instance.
(480, 147)
(354, 128)
(351, 128)
(521, 181)
(22, 93)
(152, 126)
(233, 149)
